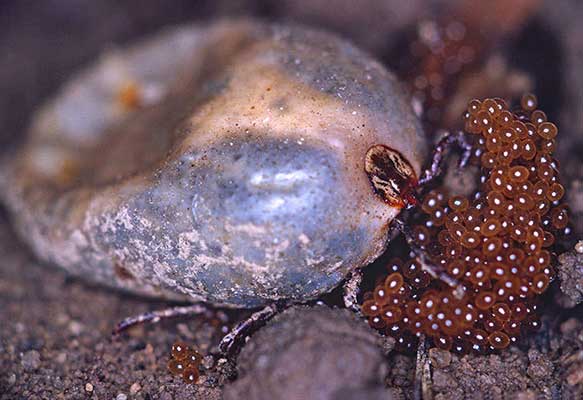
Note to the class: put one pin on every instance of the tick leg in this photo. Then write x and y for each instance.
(351, 288)
(422, 384)
(442, 147)
(153, 317)
(232, 341)
(434, 270)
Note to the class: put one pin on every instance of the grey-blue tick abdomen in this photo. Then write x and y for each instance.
(222, 163)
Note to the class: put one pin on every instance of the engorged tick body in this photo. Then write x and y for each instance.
(228, 164)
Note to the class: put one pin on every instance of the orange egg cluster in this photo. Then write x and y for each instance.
(185, 362)
(495, 245)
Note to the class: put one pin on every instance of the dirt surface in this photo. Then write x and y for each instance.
(56, 343)
(544, 367)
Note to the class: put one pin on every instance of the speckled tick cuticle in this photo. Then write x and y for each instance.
(236, 172)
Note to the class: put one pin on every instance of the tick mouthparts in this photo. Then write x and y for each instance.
(410, 199)
(391, 176)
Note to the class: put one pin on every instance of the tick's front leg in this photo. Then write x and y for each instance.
(445, 144)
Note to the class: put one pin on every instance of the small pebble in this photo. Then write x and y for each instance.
(569, 325)
(62, 319)
(31, 360)
(576, 377)
(11, 379)
(528, 395)
(88, 387)
(443, 381)
(208, 362)
(76, 328)
(165, 396)
(540, 366)
(439, 358)
(135, 388)
(570, 270)
(121, 396)
(19, 326)
(61, 358)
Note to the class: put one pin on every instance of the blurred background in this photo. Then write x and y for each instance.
(43, 42)
(499, 48)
